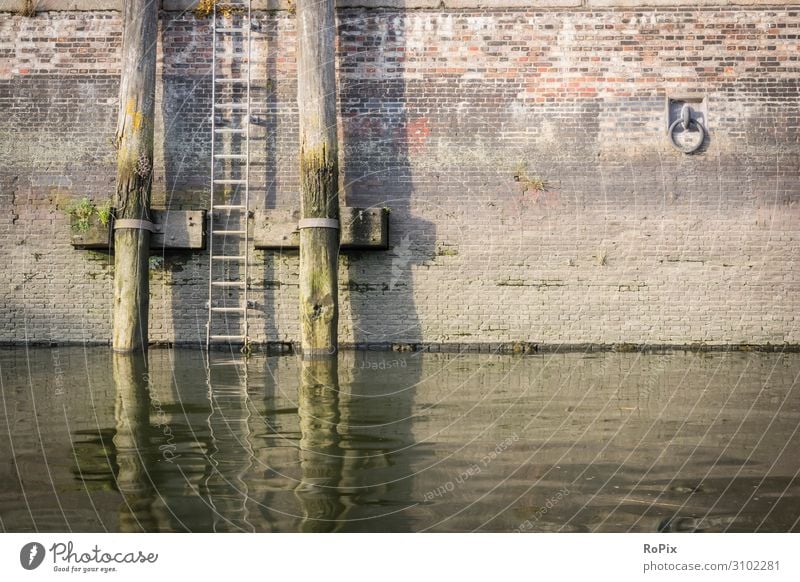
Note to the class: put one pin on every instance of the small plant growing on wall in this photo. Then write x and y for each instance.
(104, 212)
(528, 181)
(80, 214)
(156, 263)
(205, 8)
(82, 211)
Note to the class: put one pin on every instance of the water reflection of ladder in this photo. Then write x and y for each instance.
(230, 454)
(228, 238)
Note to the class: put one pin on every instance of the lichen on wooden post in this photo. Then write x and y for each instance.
(319, 176)
(134, 142)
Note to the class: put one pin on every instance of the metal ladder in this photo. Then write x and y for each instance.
(228, 240)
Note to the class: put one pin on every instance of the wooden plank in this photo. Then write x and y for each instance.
(175, 230)
(365, 228)
(362, 229)
(275, 229)
(179, 230)
(95, 237)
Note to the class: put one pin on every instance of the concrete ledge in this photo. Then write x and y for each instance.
(288, 348)
(184, 5)
(528, 348)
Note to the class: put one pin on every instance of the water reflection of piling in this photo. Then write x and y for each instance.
(321, 455)
(132, 416)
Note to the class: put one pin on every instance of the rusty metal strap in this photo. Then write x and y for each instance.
(134, 223)
(318, 223)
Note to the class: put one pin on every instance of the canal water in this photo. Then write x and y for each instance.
(384, 441)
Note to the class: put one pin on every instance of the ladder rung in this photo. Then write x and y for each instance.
(231, 80)
(229, 257)
(227, 181)
(228, 207)
(230, 156)
(230, 105)
(227, 337)
(228, 309)
(227, 283)
(225, 232)
(229, 29)
(231, 130)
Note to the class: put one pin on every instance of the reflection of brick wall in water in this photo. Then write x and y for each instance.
(453, 119)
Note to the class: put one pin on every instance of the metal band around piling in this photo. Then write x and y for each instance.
(318, 223)
(134, 223)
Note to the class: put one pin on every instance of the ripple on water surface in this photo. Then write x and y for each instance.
(675, 442)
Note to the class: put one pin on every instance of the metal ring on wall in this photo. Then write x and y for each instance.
(697, 124)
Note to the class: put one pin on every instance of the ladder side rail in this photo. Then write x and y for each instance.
(247, 172)
(213, 151)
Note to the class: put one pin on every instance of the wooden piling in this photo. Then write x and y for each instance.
(134, 142)
(319, 177)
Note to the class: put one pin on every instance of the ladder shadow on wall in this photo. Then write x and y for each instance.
(185, 106)
(274, 185)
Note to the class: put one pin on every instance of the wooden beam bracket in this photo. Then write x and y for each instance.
(173, 230)
(272, 229)
(361, 228)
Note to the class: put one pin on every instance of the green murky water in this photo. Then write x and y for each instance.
(399, 442)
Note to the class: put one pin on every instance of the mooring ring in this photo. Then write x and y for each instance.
(700, 129)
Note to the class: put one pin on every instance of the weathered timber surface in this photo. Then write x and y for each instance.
(179, 230)
(175, 230)
(319, 176)
(134, 143)
(361, 228)
(97, 236)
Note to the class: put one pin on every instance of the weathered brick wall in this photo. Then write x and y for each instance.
(440, 109)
